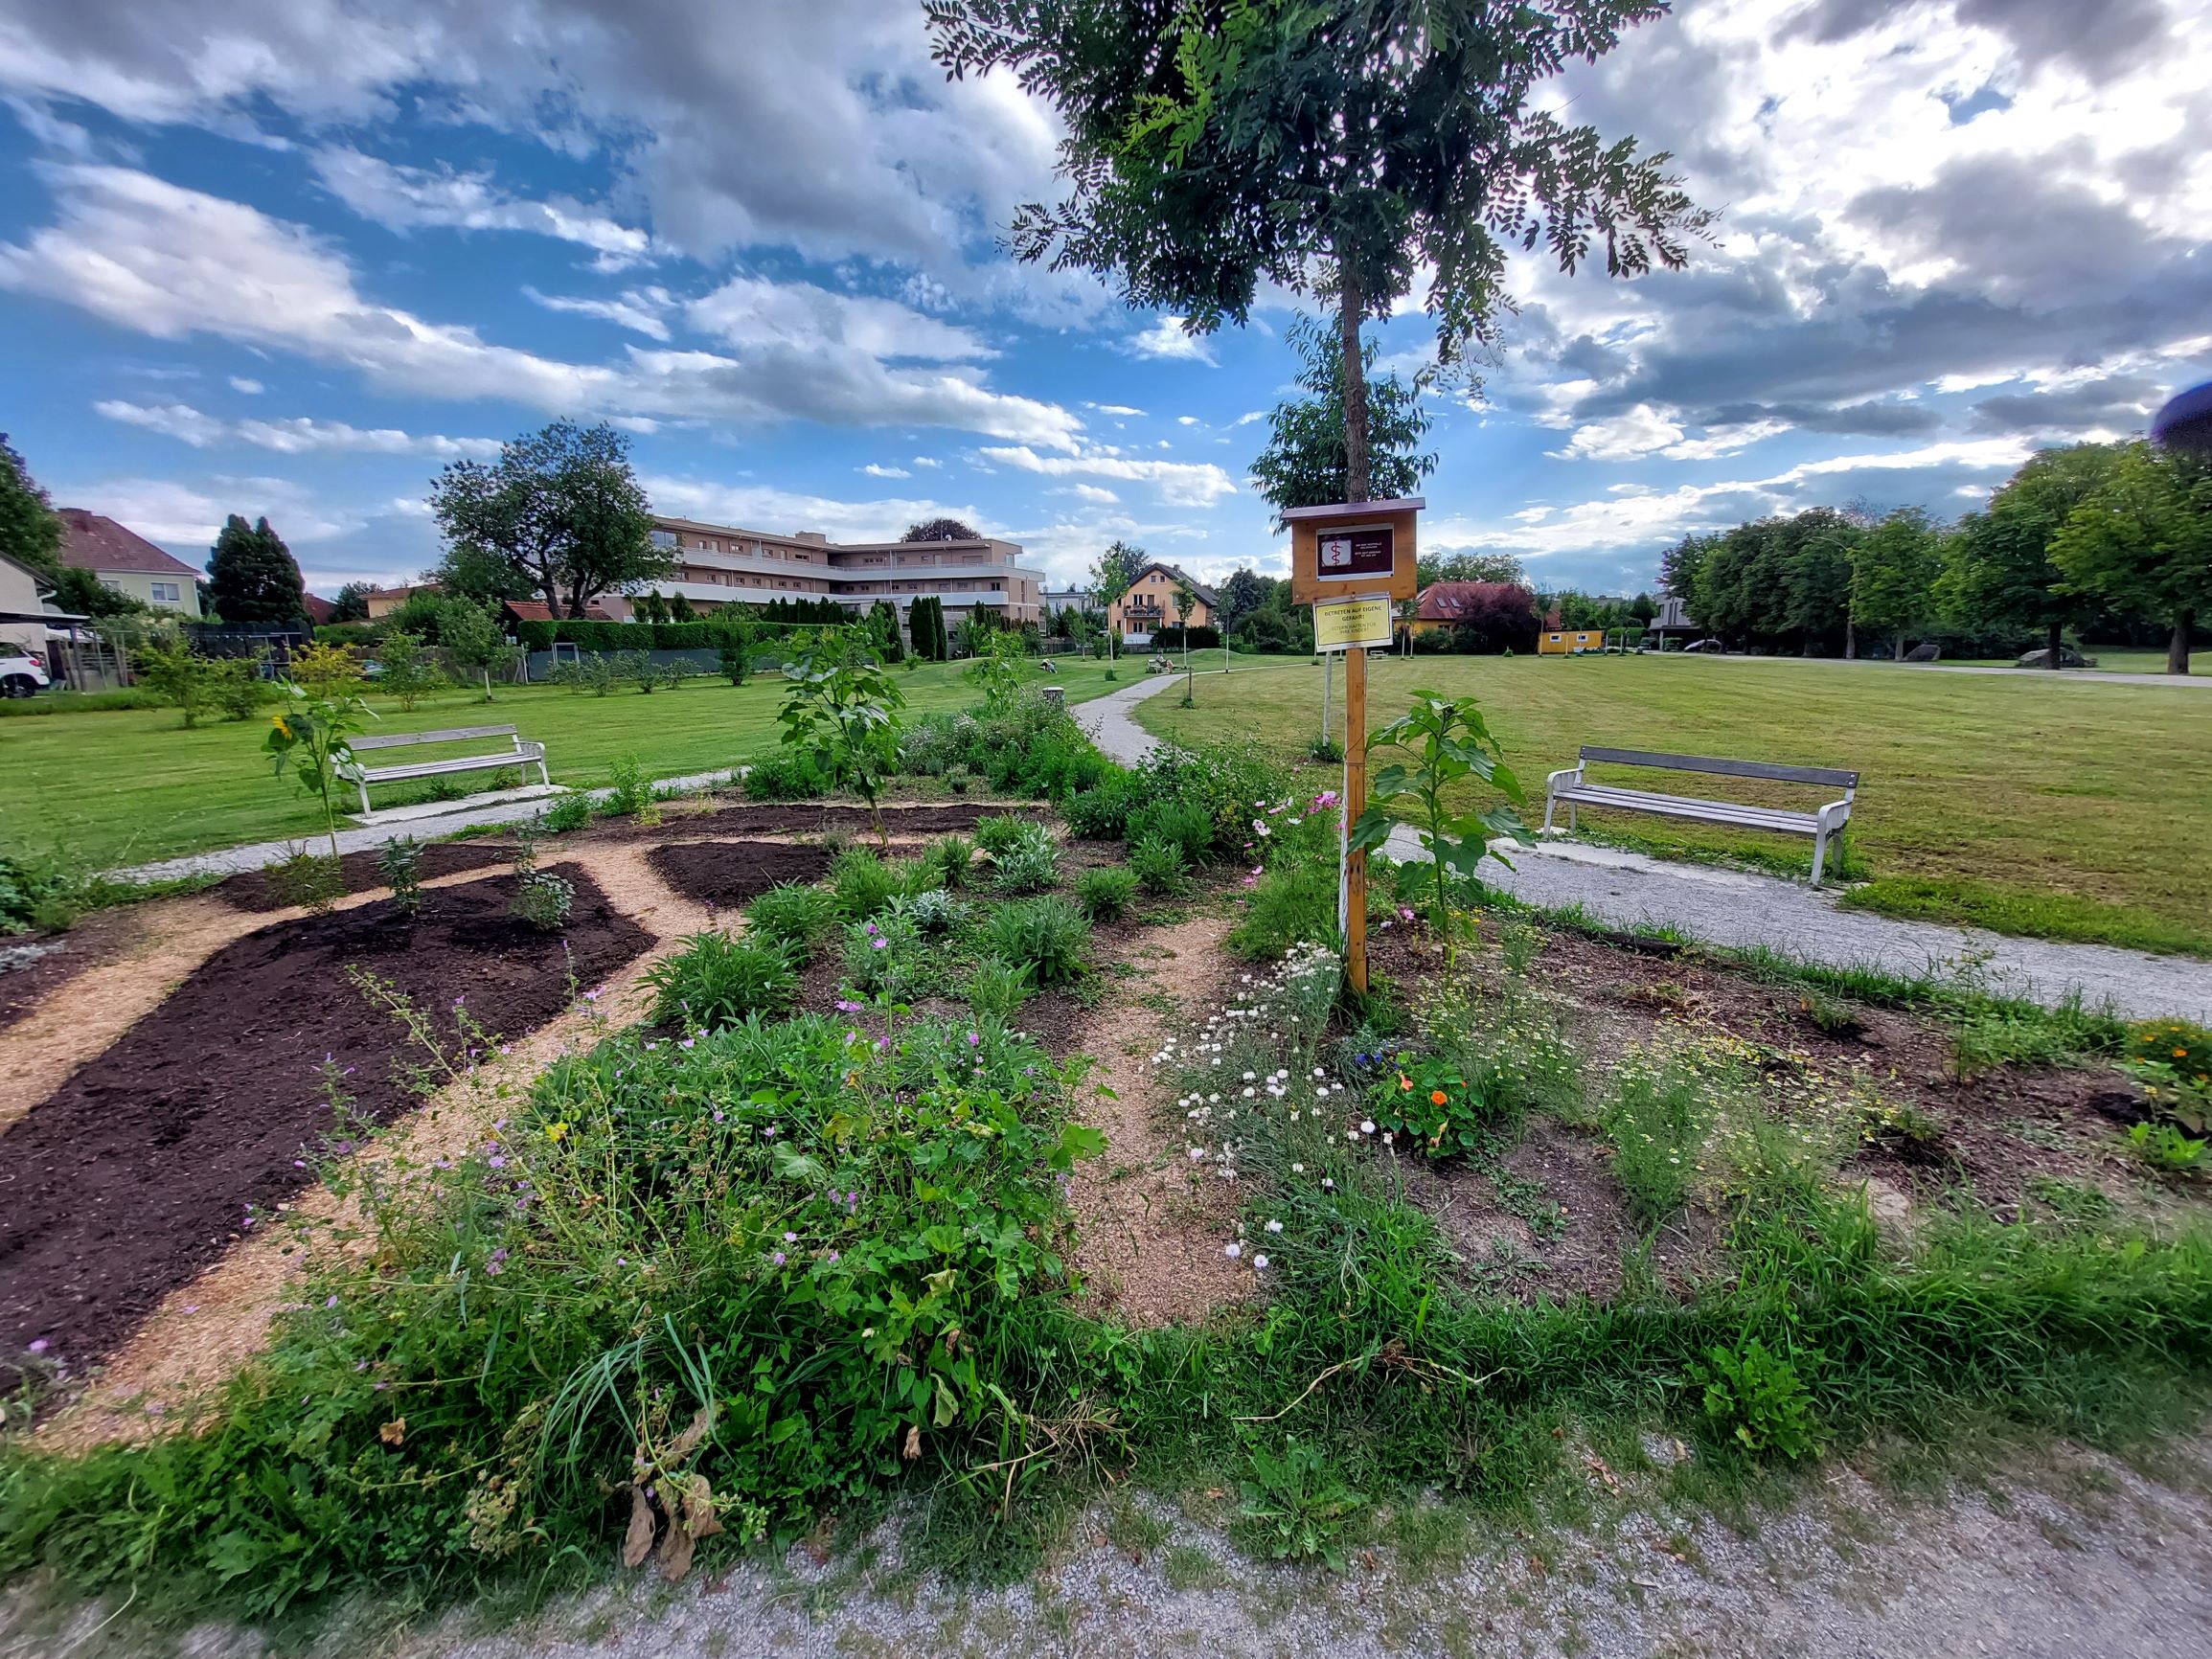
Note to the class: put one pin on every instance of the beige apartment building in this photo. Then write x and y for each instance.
(718, 564)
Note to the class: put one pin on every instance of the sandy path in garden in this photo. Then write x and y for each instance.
(204, 1331)
(1150, 1233)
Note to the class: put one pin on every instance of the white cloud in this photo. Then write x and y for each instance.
(1093, 492)
(1185, 483)
(641, 310)
(875, 471)
(300, 435)
(1187, 420)
(1248, 416)
(1114, 408)
(404, 199)
(184, 517)
(146, 255)
(929, 461)
(1644, 431)
(1166, 339)
(251, 388)
(751, 312)
(767, 506)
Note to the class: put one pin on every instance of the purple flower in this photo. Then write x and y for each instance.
(717, 1115)
(332, 1303)
(833, 1255)
(497, 1162)
(974, 1040)
(591, 996)
(39, 1347)
(299, 1163)
(844, 1007)
(790, 1238)
(779, 1257)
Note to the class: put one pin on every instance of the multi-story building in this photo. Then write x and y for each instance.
(1150, 605)
(127, 562)
(718, 564)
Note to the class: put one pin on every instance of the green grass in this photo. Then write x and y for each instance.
(2054, 806)
(133, 786)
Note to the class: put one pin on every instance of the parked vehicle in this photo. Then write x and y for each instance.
(22, 675)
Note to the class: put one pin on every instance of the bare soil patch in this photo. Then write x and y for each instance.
(143, 1167)
(256, 890)
(816, 818)
(33, 970)
(725, 874)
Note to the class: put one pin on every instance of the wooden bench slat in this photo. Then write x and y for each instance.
(457, 735)
(1688, 807)
(1828, 775)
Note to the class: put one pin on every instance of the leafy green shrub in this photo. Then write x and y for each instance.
(1105, 893)
(629, 790)
(2171, 1058)
(1158, 865)
(1657, 1121)
(569, 812)
(957, 778)
(1187, 822)
(953, 859)
(543, 899)
(887, 959)
(1756, 1399)
(996, 987)
(793, 917)
(862, 882)
(400, 862)
(2166, 1149)
(999, 832)
(1221, 780)
(933, 911)
(37, 895)
(1102, 811)
(718, 979)
(1435, 1105)
(1030, 863)
(785, 775)
(308, 879)
(1048, 936)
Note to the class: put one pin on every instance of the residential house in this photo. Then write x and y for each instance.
(127, 562)
(719, 564)
(382, 601)
(1150, 605)
(23, 620)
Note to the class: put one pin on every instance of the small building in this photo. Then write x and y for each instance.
(382, 601)
(1674, 623)
(23, 618)
(127, 562)
(1554, 641)
(1150, 605)
(536, 610)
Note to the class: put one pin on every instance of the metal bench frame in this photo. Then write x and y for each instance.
(523, 753)
(1829, 821)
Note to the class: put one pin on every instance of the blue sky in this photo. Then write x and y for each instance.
(286, 257)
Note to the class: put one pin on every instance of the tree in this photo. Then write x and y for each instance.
(1111, 579)
(842, 711)
(939, 530)
(561, 515)
(1305, 462)
(1241, 596)
(1892, 572)
(1336, 148)
(1186, 600)
(177, 674)
(473, 638)
(1679, 564)
(1999, 572)
(351, 603)
(2143, 543)
(407, 670)
(680, 609)
(883, 625)
(252, 578)
(649, 607)
(1491, 567)
(30, 529)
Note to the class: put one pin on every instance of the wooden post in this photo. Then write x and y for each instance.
(1355, 803)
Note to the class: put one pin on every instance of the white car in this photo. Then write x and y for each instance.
(21, 674)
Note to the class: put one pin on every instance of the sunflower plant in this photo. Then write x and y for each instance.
(309, 737)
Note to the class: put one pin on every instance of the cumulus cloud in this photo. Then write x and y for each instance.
(251, 388)
(1184, 483)
(300, 435)
(144, 254)
(1167, 339)
(405, 198)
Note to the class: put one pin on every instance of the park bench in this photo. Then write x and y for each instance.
(1576, 791)
(522, 754)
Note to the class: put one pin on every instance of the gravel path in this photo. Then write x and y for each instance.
(1731, 907)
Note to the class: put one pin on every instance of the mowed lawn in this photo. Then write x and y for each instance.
(133, 786)
(2052, 805)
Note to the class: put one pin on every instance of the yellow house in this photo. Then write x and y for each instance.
(1566, 641)
(1150, 605)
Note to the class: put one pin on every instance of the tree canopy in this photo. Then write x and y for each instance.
(939, 530)
(2142, 542)
(253, 581)
(1336, 147)
(1493, 567)
(2000, 574)
(561, 516)
(1307, 463)
(30, 529)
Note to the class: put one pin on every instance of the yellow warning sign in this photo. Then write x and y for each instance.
(1349, 623)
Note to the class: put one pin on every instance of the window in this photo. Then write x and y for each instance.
(166, 593)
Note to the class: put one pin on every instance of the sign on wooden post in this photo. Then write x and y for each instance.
(1351, 561)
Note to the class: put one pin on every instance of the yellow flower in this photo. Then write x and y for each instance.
(2181, 1053)
(556, 1131)
(279, 723)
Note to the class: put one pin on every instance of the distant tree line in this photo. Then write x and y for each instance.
(2100, 541)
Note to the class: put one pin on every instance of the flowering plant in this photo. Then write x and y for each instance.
(1434, 1103)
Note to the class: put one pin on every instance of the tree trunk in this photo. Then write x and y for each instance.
(1349, 309)
(1899, 655)
(2178, 643)
(1850, 638)
(2055, 647)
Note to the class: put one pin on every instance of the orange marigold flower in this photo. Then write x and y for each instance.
(1436, 1097)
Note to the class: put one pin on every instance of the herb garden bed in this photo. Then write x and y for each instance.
(152, 1158)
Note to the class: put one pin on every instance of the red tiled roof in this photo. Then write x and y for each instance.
(92, 543)
(537, 610)
(319, 611)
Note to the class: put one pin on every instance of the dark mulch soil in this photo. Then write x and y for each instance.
(725, 874)
(136, 1173)
(815, 818)
(257, 891)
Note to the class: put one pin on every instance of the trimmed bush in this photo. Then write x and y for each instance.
(1105, 893)
(785, 775)
(1159, 865)
(1047, 936)
(793, 917)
